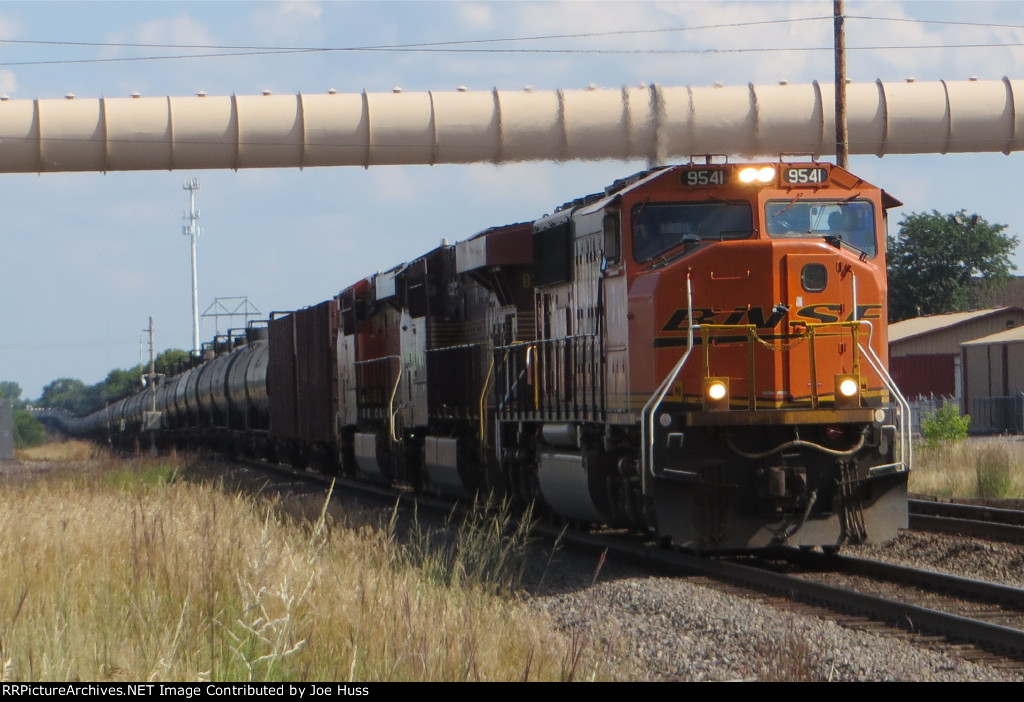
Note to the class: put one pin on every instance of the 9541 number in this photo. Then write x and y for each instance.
(805, 175)
(706, 176)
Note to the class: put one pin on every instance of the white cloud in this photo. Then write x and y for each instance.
(181, 29)
(475, 16)
(9, 28)
(291, 21)
(8, 82)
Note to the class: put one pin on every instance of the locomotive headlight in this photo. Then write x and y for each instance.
(716, 394)
(764, 174)
(847, 387)
(847, 391)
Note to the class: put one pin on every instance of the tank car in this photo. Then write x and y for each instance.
(696, 353)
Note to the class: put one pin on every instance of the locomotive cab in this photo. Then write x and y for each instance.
(769, 420)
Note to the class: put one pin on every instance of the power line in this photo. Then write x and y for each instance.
(255, 49)
(126, 59)
(952, 23)
(464, 46)
(763, 49)
(454, 42)
(605, 52)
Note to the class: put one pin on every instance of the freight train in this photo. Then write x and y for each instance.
(695, 353)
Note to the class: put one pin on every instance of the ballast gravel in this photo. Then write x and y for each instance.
(650, 628)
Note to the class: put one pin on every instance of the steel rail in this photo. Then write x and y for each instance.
(1005, 641)
(973, 520)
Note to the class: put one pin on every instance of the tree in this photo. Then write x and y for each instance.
(10, 390)
(119, 383)
(934, 257)
(80, 399)
(70, 393)
(171, 362)
(28, 431)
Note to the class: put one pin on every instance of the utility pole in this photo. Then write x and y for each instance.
(151, 379)
(149, 423)
(193, 231)
(842, 139)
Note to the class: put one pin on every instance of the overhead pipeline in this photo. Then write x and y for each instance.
(369, 129)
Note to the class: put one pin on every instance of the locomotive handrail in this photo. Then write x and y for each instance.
(906, 444)
(394, 390)
(483, 403)
(531, 374)
(541, 342)
(811, 329)
(391, 400)
(751, 330)
(647, 414)
(810, 333)
(563, 392)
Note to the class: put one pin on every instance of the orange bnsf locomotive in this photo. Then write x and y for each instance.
(696, 352)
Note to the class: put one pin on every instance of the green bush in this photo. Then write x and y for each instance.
(28, 431)
(945, 424)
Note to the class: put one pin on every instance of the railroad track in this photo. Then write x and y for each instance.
(980, 521)
(972, 619)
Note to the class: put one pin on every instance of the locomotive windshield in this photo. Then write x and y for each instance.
(658, 227)
(853, 222)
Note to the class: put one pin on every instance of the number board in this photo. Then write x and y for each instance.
(698, 177)
(807, 176)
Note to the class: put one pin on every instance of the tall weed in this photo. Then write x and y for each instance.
(487, 547)
(790, 657)
(992, 467)
(978, 467)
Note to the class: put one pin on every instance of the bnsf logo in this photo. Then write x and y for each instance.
(825, 313)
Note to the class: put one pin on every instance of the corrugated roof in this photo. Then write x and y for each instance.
(932, 323)
(1003, 337)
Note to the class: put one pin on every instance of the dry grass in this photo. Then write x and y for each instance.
(982, 467)
(161, 579)
(71, 450)
(788, 656)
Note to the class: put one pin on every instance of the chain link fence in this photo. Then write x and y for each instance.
(923, 405)
(989, 415)
(998, 415)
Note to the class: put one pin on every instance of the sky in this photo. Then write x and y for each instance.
(88, 258)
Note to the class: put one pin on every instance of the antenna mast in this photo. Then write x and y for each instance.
(193, 231)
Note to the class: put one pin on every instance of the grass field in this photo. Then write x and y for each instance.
(978, 467)
(124, 571)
